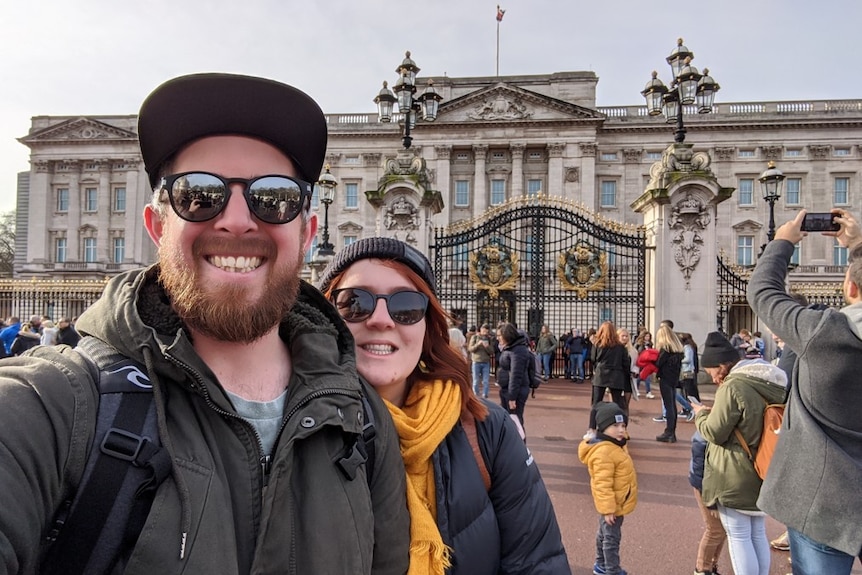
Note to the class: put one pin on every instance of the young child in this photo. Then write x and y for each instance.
(613, 482)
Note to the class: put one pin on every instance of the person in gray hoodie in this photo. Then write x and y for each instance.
(814, 477)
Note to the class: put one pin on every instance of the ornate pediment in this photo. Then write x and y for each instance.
(507, 103)
(84, 130)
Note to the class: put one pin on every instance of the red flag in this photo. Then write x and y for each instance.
(500, 13)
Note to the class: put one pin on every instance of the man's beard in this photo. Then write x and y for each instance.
(225, 312)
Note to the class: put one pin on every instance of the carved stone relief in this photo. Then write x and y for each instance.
(588, 150)
(556, 149)
(500, 108)
(573, 174)
(632, 155)
(401, 215)
(772, 152)
(688, 218)
(724, 154)
(819, 152)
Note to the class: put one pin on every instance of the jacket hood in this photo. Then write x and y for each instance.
(763, 370)
(854, 317)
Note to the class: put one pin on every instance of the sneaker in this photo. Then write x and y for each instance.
(781, 543)
(598, 570)
(660, 419)
(683, 413)
(690, 416)
(650, 395)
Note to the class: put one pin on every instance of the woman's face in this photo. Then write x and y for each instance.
(386, 352)
(624, 337)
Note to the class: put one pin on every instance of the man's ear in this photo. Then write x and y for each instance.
(154, 224)
(853, 291)
(310, 231)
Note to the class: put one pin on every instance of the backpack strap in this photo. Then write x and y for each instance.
(125, 466)
(468, 422)
(741, 439)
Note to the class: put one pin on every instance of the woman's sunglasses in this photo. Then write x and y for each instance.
(201, 196)
(356, 304)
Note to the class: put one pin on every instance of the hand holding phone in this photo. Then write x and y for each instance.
(820, 222)
(693, 400)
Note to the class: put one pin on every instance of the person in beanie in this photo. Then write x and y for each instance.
(613, 483)
(730, 482)
(477, 502)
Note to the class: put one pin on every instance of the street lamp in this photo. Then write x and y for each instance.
(688, 87)
(770, 185)
(326, 190)
(428, 102)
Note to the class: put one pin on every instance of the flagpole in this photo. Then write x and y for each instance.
(498, 47)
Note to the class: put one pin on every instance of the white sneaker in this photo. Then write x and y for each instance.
(649, 395)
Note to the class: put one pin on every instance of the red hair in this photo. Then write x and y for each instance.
(607, 335)
(440, 360)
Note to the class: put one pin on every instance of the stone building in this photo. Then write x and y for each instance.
(499, 140)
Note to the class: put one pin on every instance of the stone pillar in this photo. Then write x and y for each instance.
(517, 169)
(480, 190)
(73, 240)
(679, 209)
(137, 240)
(555, 168)
(40, 215)
(444, 180)
(588, 176)
(104, 242)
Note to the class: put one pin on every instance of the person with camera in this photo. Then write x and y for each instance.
(815, 473)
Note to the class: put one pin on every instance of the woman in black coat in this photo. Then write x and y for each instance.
(516, 370)
(669, 363)
(611, 368)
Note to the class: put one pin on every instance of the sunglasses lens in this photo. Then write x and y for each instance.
(197, 197)
(407, 307)
(353, 304)
(275, 199)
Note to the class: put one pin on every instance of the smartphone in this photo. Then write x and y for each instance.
(820, 222)
(695, 401)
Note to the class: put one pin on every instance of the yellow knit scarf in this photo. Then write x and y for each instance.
(431, 411)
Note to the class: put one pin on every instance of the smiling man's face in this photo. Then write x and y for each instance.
(233, 277)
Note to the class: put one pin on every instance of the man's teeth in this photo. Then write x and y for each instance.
(379, 348)
(241, 264)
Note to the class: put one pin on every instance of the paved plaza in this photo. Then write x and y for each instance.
(662, 534)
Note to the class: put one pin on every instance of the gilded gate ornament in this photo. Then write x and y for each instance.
(494, 268)
(582, 269)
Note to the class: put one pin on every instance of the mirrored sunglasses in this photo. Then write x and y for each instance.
(201, 196)
(356, 304)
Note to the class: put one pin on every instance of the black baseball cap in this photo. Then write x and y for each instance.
(190, 107)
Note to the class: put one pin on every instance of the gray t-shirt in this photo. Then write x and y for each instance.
(265, 417)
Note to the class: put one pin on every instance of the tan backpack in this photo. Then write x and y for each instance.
(773, 414)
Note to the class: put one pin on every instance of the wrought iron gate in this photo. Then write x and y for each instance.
(731, 304)
(539, 260)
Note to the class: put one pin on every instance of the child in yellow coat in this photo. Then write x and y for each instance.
(613, 482)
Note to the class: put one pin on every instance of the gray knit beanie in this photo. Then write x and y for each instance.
(379, 248)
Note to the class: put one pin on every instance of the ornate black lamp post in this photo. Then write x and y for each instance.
(326, 190)
(770, 185)
(688, 87)
(428, 102)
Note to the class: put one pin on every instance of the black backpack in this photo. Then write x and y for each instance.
(125, 467)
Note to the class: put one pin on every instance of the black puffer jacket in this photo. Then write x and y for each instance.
(512, 529)
(513, 375)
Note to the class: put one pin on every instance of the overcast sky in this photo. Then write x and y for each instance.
(91, 57)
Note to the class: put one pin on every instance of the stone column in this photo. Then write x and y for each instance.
(73, 241)
(480, 190)
(555, 168)
(588, 176)
(444, 182)
(137, 240)
(40, 215)
(517, 169)
(104, 242)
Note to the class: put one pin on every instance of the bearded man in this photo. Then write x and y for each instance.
(252, 371)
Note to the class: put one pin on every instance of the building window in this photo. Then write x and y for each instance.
(462, 193)
(841, 152)
(91, 199)
(535, 155)
(795, 258)
(462, 156)
(746, 153)
(792, 153)
(653, 156)
(842, 188)
(349, 240)
(534, 187)
(608, 156)
(792, 191)
(119, 199)
(608, 194)
(460, 254)
(745, 250)
(352, 160)
(606, 314)
(119, 250)
(498, 192)
(60, 250)
(351, 195)
(315, 196)
(63, 200)
(89, 250)
(746, 192)
(839, 254)
(499, 156)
